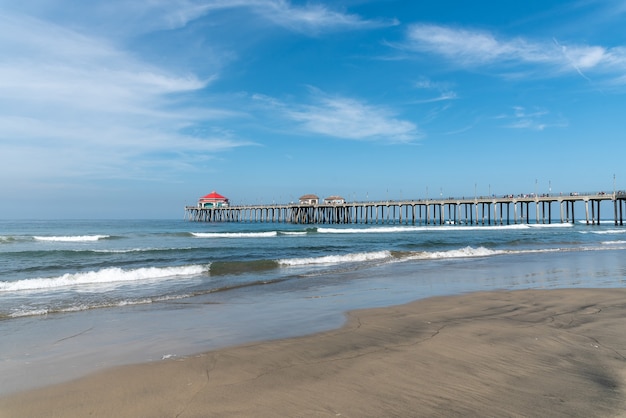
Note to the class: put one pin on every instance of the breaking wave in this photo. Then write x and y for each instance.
(104, 276)
(234, 234)
(72, 238)
(336, 259)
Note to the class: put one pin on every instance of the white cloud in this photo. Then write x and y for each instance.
(312, 17)
(537, 119)
(476, 48)
(149, 16)
(445, 93)
(350, 119)
(75, 102)
(71, 104)
(469, 47)
(52, 61)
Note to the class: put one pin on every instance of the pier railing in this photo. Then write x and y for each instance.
(479, 210)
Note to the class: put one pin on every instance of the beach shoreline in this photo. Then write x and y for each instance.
(554, 352)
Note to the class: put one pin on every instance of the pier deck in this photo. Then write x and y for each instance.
(465, 211)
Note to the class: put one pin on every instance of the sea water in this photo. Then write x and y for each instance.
(78, 296)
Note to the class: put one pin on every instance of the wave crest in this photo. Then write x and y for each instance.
(72, 238)
(462, 253)
(104, 276)
(234, 234)
(336, 259)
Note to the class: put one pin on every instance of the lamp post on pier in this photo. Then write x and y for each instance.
(549, 187)
(614, 191)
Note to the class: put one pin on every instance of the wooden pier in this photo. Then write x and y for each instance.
(506, 210)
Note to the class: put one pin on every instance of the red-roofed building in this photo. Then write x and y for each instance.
(213, 200)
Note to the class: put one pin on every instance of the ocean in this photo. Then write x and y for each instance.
(79, 296)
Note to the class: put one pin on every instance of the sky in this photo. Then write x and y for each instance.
(133, 109)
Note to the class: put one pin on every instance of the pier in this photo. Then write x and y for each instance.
(507, 210)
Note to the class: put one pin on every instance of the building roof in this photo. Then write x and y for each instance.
(308, 196)
(334, 198)
(214, 195)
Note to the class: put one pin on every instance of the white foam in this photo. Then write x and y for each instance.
(403, 229)
(84, 307)
(618, 242)
(606, 232)
(461, 253)
(555, 225)
(138, 250)
(33, 312)
(104, 276)
(234, 234)
(484, 252)
(72, 238)
(386, 255)
(131, 250)
(602, 221)
(372, 230)
(336, 259)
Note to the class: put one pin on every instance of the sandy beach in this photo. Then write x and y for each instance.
(502, 354)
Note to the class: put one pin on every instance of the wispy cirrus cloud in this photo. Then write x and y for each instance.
(76, 99)
(535, 119)
(468, 47)
(78, 105)
(172, 14)
(313, 17)
(479, 48)
(301, 18)
(444, 90)
(148, 16)
(346, 118)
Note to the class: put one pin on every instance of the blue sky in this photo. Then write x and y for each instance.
(133, 109)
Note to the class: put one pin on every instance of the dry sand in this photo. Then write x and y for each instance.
(531, 353)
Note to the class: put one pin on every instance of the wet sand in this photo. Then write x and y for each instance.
(528, 353)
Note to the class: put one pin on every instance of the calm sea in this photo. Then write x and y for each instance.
(82, 295)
